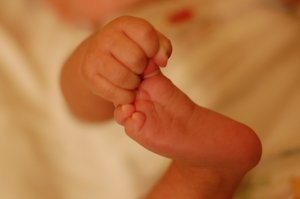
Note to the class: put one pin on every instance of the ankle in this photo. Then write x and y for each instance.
(208, 182)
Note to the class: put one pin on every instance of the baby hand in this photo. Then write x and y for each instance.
(117, 55)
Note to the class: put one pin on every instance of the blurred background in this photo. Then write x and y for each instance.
(240, 58)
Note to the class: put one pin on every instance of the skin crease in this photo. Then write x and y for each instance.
(211, 153)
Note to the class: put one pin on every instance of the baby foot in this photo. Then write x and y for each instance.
(164, 120)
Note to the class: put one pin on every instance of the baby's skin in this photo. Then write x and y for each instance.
(120, 64)
(209, 150)
(164, 120)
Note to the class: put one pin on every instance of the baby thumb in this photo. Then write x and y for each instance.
(151, 70)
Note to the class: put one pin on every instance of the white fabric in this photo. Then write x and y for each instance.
(240, 58)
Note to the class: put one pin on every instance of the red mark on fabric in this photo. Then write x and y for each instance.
(180, 16)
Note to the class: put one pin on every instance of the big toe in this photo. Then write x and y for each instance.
(159, 87)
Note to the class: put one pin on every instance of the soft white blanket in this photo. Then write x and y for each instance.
(241, 58)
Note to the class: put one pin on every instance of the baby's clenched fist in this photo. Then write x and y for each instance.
(117, 56)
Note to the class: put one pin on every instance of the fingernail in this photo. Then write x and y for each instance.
(151, 70)
(152, 74)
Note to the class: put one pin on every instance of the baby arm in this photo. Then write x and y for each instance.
(117, 67)
(106, 69)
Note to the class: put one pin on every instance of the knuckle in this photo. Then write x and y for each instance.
(129, 97)
(138, 62)
(147, 31)
(124, 97)
(123, 19)
(128, 80)
(134, 82)
(108, 91)
(141, 31)
(103, 88)
(123, 78)
(91, 62)
(149, 35)
(106, 40)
